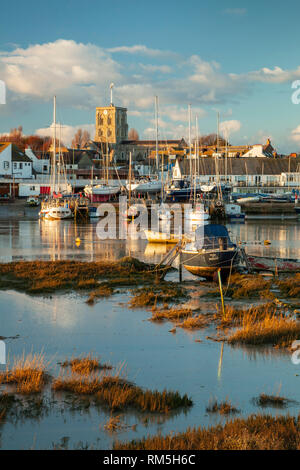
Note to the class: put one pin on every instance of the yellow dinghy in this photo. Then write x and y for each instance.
(162, 237)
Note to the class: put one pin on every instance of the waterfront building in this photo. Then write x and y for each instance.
(13, 162)
(243, 172)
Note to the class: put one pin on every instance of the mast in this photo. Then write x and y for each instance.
(129, 177)
(54, 145)
(190, 141)
(156, 131)
(111, 93)
(162, 177)
(197, 154)
(59, 160)
(218, 130)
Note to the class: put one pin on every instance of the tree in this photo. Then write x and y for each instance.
(133, 134)
(211, 140)
(80, 138)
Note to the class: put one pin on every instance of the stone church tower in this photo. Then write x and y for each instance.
(111, 124)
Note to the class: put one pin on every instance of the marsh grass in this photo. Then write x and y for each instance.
(290, 286)
(165, 292)
(192, 323)
(276, 329)
(235, 316)
(275, 401)
(102, 291)
(117, 393)
(256, 432)
(171, 314)
(27, 374)
(85, 365)
(223, 408)
(244, 286)
(48, 276)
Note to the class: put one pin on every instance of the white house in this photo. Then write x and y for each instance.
(13, 162)
(261, 151)
(40, 165)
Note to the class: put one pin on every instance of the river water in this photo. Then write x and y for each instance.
(63, 325)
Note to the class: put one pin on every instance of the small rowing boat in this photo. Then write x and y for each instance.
(162, 237)
(266, 263)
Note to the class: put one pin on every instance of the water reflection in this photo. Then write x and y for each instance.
(51, 240)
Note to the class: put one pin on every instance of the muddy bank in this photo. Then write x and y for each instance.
(18, 210)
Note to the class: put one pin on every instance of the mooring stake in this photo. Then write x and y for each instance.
(221, 291)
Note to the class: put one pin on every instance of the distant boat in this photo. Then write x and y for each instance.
(197, 214)
(145, 186)
(101, 192)
(233, 212)
(161, 237)
(33, 201)
(212, 250)
(59, 213)
(244, 200)
(266, 263)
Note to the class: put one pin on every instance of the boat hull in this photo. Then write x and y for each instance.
(206, 264)
(283, 265)
(161, 237)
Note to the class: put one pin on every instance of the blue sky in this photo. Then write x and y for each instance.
(238, 58)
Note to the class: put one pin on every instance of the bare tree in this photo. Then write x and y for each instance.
(133, 134)
(80, 138)
(211, 139)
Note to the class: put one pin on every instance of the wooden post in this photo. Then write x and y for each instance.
(180, 267)
(221, 291)
(276, 268)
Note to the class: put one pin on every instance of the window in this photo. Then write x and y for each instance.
(21, 165)
(15, 165)
(5, 165)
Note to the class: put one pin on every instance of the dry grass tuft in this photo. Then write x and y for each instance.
(171, 314)
(48, 276)
(276, 401)
(223, 408)
(27, 374)
(102, 291)
(290, 287)
(235, 316)
(116, 423)
(249, 285)
(273, 328)
(257, 432)
(118, 394)
(192, 323)
(165, 292)
(85, 365)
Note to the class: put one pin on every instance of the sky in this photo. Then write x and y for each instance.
(238, 58)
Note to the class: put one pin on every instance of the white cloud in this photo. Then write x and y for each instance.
(67, 132)
(156, 68)
(275, 75)
(140, 49)
(229, 127)
(180, 113)
(295, 135)
(79, 74)
(73, 71)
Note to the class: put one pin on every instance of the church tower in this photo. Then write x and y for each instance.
(111, 123)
